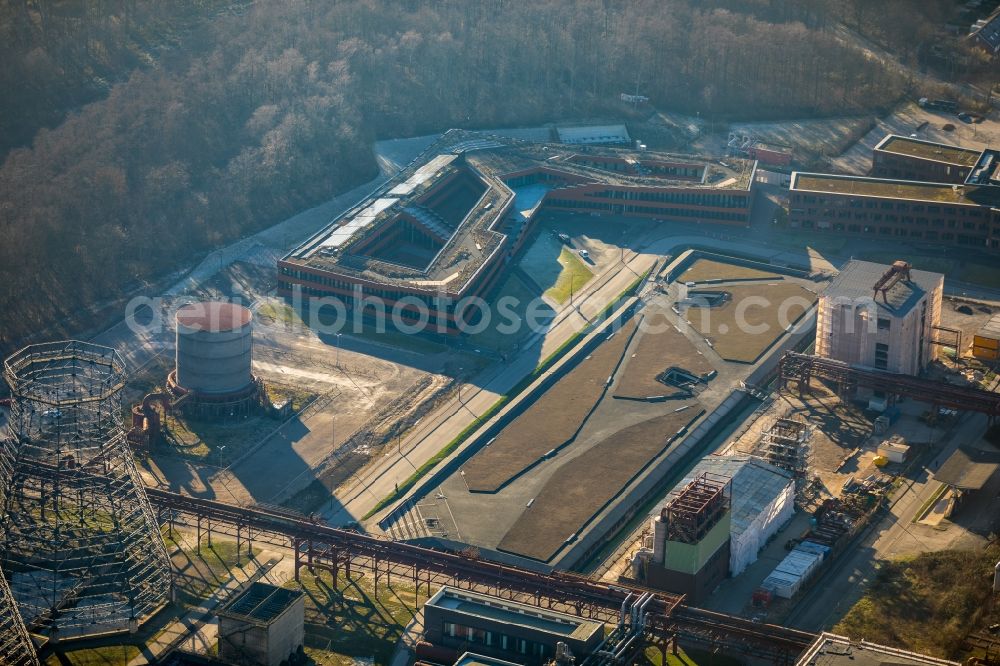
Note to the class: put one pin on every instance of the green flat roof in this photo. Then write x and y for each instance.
(892, 189)
(929, 150)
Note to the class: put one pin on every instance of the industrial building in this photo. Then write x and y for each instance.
(986, 341)
(907, 158)
(691, 546)
(794, 570)
(919, 190)
(879, 316)
(967, 471)
(763, 501)
(443, 228)
(590, 135)
(985, 33)
(835, 650)
(262, 625)
(213, 373)
(463, 620)
(966, 215)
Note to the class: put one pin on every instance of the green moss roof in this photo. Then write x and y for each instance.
(938, 152)
(891, 189)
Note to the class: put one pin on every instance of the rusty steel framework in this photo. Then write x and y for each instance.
(78, 539)
(318, 547)
(898, 272)
(697, 508)
(802, 368)
(956, 343)
(784, 445)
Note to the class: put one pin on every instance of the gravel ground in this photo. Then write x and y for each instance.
(655, 352)
(724, 325)
(707, 269)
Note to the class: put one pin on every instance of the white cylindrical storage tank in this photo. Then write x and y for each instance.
(639, 561)
(660, 537)
(214, 348)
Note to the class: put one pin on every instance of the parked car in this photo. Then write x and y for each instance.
(965, 118)
(584, 254)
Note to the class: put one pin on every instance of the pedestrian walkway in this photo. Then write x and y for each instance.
(408, 641)
(197, 630)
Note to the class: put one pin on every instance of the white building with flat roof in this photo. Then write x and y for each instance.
(880, 316)
(762, 503)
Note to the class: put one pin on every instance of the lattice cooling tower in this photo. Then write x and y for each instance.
(78, 540)
(16, 648)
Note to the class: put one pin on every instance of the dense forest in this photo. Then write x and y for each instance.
(147, 133)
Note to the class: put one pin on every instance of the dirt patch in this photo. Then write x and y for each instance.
(238, 280)
(752, 319)
(707, 269)
(655, 352)
(585, 484)
(839, 443)
(551, 421)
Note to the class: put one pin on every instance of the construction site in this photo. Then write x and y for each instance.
(693, 440)
(563, 467)
(821, 459)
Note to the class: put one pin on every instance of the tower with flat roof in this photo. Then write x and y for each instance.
(880, 316)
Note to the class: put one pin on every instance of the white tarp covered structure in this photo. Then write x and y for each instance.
(763, 501)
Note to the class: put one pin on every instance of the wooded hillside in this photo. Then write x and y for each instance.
(258, 111)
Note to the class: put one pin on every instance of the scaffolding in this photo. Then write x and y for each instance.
(697, 508)
(16, 648)
(78, 539)
(784, 445)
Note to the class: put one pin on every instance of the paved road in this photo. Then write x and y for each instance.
(441, 427)
(833, 594)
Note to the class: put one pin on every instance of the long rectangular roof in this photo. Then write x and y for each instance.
(423, 174)
(341, 234)
(734, 173)
(594, 134)
(514, 613)
(886, 188)
(988, 30)
(929, 150)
